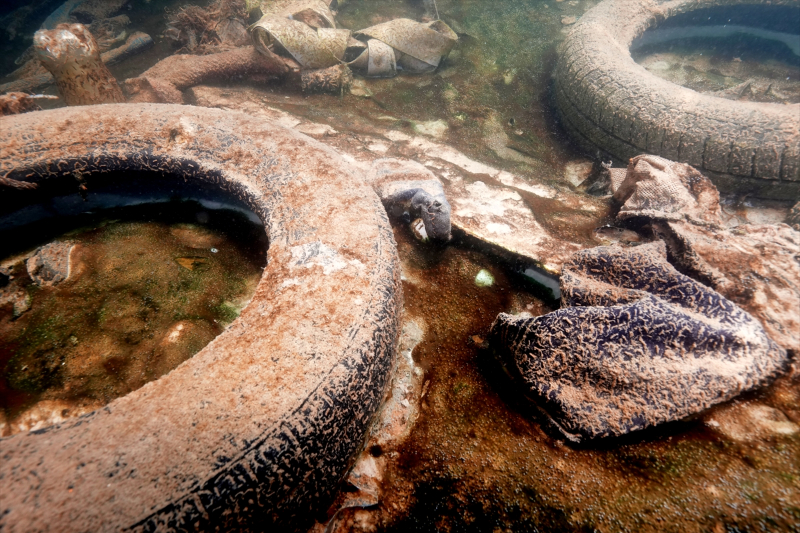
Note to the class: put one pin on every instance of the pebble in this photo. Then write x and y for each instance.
(745, 422)
(484, 279)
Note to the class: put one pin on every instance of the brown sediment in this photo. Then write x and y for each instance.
(259, 427)
(479, 458)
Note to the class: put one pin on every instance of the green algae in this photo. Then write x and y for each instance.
(129, 312)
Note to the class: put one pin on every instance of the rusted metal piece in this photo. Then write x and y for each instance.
(312, 48)
(256, 430)
(427, 42)
(72, 56)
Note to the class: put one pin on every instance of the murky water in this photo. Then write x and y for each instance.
(148, 286)
(481, 457)
(739, 53)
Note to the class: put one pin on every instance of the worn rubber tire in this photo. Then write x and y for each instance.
(256, 430)
(606, 100)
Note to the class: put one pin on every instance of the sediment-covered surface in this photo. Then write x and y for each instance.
(117, 299)
(608, 101)
(481, 457)
(635, 344)
(258, 427)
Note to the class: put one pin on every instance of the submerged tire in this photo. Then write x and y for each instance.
(257, 429)
(607, 101)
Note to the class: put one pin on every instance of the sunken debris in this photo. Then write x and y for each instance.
(635, 344)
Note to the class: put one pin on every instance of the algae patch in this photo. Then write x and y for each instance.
(145, 292)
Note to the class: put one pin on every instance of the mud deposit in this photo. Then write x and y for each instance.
(482, 458)
(743, 68)
(148, 287)
(746, 53)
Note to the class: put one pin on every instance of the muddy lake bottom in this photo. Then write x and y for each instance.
(148, 287)
(481, 457)
(147, 292)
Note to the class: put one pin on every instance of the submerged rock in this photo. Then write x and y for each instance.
(14, 295)
(484, 279)
(50, 265)
(635, 343)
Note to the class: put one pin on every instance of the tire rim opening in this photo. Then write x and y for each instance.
(108, 288)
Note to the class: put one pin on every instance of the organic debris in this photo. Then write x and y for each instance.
(204, 30)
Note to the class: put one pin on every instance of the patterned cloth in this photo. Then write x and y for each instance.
(635, 344)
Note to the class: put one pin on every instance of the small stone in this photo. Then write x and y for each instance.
(359, 88)
(484, 279)
(745, 422)
(49, 266)
(576, 172)
(433, 128)
(567, 21)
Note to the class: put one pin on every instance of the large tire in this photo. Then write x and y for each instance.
(256, 430)
(606, 100)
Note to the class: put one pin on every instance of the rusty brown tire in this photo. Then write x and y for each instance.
(257, 429)
(607, 101)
